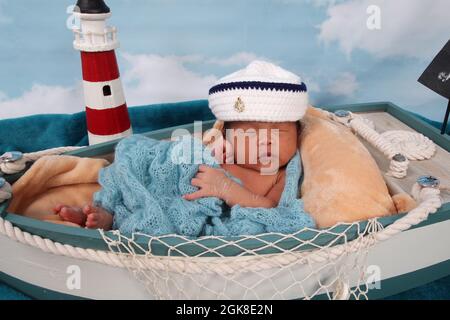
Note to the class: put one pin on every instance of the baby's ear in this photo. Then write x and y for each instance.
(219, 125)
(212, 134)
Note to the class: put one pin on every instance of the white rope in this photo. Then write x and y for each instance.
(5, 190)
(430, 201)
(49, 246)
(413, 145)
(397, 145)
(11, 167)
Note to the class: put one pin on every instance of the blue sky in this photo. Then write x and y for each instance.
(173, 50)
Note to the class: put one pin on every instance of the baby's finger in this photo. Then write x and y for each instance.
(197, 182)
(193, 196)
(200, 175)
(203, 168)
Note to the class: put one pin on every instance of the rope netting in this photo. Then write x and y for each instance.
(330, 263)
(311, 263)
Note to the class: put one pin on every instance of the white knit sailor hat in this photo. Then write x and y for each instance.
(260, 92)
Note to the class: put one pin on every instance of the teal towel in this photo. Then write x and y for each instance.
(143, 188)
(46, 131)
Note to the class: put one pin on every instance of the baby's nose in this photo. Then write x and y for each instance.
(265, 141)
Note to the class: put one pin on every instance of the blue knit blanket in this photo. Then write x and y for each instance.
(143, 189)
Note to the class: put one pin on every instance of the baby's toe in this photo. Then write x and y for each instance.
(92, 220)
(57, 208)
(64, 212)
(87, 209)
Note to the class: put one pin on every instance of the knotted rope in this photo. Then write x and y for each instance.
(397, 145)
(14, 162)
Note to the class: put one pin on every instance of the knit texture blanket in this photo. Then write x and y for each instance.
(143, 188)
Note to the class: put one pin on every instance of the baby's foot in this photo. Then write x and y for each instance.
(71, 214)
(97, 218)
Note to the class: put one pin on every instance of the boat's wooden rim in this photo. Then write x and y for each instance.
(92, 239)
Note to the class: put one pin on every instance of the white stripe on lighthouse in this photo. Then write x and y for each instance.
(95, 138)
(95, 99)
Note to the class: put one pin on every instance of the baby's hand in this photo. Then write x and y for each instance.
(211, 182)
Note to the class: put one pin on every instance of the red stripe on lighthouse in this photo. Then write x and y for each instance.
(99, 66)
(108, 121)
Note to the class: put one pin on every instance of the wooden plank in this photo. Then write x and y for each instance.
(438, 165)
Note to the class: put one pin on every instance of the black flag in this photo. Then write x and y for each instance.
(437, 77)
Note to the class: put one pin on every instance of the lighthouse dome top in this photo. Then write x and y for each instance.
(92, 6)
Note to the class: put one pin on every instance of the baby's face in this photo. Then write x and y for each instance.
(262, 146)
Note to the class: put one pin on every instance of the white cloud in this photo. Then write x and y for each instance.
(240, 58)
(345, 84)
(414, 28)
(147, 79)
(43, 99)
(152, 79)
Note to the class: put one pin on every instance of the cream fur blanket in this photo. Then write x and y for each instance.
(342, 182)
(54, 180)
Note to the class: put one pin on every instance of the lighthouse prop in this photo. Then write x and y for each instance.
(106, 110)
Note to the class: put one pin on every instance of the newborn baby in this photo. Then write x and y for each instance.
(258, 109)
(262, 180)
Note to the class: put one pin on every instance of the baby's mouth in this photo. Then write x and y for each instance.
(265, 158)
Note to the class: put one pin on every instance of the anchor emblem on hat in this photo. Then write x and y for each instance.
(239, 105)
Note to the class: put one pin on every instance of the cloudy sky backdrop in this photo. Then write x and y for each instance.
(174, 50)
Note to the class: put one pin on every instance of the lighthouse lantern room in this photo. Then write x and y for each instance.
(106, 110)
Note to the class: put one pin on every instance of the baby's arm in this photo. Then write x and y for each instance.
(214, 183)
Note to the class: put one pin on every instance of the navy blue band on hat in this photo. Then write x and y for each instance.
(277, 86)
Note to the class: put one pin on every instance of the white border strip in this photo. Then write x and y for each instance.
(96, 139)
(94, 98)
